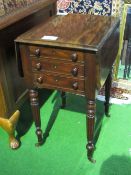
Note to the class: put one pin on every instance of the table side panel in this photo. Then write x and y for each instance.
(106, 56)
(91, 74)
(26, 65)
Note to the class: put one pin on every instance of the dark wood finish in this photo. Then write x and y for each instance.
(36, 113)
(63, 97)
(12, 25)
(19, 14)
(58, 81)
(74, 70)
(81, 45)
(107, 93)
(52, 53)
(90, 121)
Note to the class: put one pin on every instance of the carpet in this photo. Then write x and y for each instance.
(120, 92)
(64, 151)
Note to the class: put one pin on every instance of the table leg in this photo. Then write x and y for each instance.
(129, 57)
(63, 97)
(36, 114)
(90, 122)
(125, 57)
(108, 84)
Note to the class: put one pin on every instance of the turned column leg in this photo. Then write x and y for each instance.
(63, 98)
(108, 84)
(36, 114)
(90, 122)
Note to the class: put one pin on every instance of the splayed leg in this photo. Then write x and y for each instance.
(9, 125)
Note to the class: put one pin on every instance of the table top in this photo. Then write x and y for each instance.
(80, 31)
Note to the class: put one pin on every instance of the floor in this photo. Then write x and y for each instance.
(64, 151)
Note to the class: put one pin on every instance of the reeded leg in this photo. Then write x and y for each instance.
(90, 122)
(36, 115)
(107, 93)
(63, 98)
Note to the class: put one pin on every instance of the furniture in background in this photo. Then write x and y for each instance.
(13, 22)
(126, 51)
(70, 54)
(8, 6)
(127, 4)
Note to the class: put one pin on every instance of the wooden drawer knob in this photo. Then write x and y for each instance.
(75, 85)
(40, 80)
(54, 66)
(37, 52)
(74, 71)
(38, 66)
(74, 57)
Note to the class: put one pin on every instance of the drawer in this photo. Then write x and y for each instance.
(58, 66)
(69, 55)
(52, 81)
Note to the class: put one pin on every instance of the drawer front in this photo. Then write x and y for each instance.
(46, 80)
(58, 66)
(69, 55)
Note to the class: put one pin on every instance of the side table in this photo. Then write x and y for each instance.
(72, 53)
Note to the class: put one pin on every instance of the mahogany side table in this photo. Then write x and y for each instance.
(73, 53)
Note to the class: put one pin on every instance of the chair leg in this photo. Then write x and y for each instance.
(9, 126)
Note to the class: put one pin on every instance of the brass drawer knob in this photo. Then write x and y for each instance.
(74, 57)
(75, 85)
(40, 80)
(38, 66)
(74, 71)
(37, 52)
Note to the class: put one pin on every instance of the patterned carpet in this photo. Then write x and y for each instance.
(120, 92)
(96, 7)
